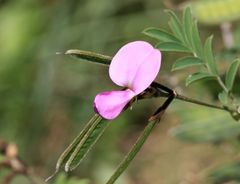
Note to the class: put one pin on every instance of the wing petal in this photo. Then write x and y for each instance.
(110, 104)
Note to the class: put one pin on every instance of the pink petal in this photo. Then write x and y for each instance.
(125, 64)
(109, 104)
(147, 72)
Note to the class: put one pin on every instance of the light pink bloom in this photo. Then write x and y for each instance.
(134, 67)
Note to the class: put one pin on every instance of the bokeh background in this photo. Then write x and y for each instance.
(46, 99)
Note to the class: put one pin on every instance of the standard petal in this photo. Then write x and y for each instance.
(146, 72)
(125, 64)
(109, 104)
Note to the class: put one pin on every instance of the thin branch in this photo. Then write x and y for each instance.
(194, 101)
(133, 152)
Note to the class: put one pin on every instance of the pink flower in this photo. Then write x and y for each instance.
(134, 67)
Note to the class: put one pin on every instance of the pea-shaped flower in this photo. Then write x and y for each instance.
(134, 67)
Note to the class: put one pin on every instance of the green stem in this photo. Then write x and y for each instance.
(230, 95)
(187, 99)
(222, 84)
(135, 149)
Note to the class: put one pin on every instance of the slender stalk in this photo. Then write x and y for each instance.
(132, 153)
(187, 99)
(191, 100)
(222, 84)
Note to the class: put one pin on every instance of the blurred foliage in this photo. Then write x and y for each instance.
(211, 126)
(216, 11)
(47, 98)
(228, 173)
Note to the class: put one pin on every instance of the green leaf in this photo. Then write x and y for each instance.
(86, 143)
(196, 40)
(223, 97)
(186, 62)
(172, 47)
(231, 74)
(198, 76)
(187, 24)
(160, 34)
(176, 26)
(90, 56)
(209, 55)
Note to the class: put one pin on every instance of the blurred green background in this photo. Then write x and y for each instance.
(46, 98)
